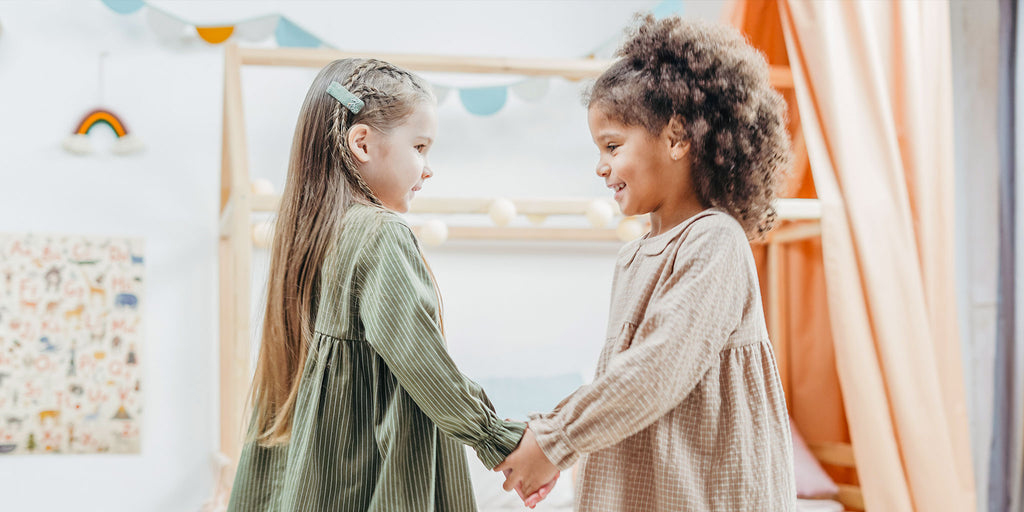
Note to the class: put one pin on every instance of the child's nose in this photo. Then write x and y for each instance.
(603, 170)
(427, 172)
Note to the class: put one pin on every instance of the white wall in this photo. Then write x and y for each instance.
(975, 29)
(167, 195)
(537, 308)
(513, 309)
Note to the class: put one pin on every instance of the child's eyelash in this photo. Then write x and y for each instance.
(612, 147)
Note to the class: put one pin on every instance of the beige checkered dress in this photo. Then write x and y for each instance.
(686, 411)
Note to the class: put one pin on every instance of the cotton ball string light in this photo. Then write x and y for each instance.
(263, 234)
(536, 219)
(433, 232)
(599, 213)
(262, 186)
(616, 210)
(502, 212)
(629, 229)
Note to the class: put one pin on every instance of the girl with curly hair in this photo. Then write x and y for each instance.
(686, 410)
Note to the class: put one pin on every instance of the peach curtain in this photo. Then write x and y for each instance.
(808, 368)
(873, 85)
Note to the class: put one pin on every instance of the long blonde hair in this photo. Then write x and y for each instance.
(323, 181)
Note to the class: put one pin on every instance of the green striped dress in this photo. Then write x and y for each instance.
(382, 408)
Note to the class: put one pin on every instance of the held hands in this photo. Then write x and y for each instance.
(528, 471)
(535, 498)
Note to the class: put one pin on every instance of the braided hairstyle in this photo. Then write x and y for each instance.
(717, 86)
(382, 110)
(323, 181)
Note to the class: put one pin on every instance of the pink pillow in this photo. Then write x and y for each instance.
(812, 482)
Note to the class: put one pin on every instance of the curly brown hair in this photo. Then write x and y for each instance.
(717, 86)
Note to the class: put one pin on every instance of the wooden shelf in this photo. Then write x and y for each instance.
(529, 233)
(802, 215)
(570, 69)
(788, 209)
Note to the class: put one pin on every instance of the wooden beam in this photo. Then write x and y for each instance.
(227, 214)
(836, 454)
(801, 162)
(549, 206)
(781, 77)
(225, 153)
(780, 342)
(235, 255)
(795, 232)
(234, 122)
(571, 69)
(787, 209)
(804, 212)
(738, 15)
(840, 455)
(468, 205)
(507, 233)
(798, 209)
(851, 497)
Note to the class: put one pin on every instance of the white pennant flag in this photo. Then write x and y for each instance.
(531, 89)
(257, 29)
(166, 26)
(440, 92)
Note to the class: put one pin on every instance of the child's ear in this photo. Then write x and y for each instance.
(675, 137)
(357, 141)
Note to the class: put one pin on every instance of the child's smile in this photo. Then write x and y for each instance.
(631, 163)
(647, 173)
(617, 189)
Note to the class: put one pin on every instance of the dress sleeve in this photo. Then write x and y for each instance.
(398, 311)
(687, 324)
(479, 392)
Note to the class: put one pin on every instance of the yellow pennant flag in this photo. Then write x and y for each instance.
(215, 35)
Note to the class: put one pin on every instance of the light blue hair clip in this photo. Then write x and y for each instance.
(346, 98)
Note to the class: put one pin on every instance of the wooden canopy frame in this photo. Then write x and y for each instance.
(800, 217)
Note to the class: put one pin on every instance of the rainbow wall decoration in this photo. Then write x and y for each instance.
(78, 142)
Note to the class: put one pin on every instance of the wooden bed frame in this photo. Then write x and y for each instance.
(839, 455)
(238, 203)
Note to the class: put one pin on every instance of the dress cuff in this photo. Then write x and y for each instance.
(554, 443)
(500, 439)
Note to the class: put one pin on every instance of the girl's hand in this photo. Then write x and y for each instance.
(529, 469)
(532, 500)
(541, 493)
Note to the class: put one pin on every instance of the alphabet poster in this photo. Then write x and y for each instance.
(70, 344)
